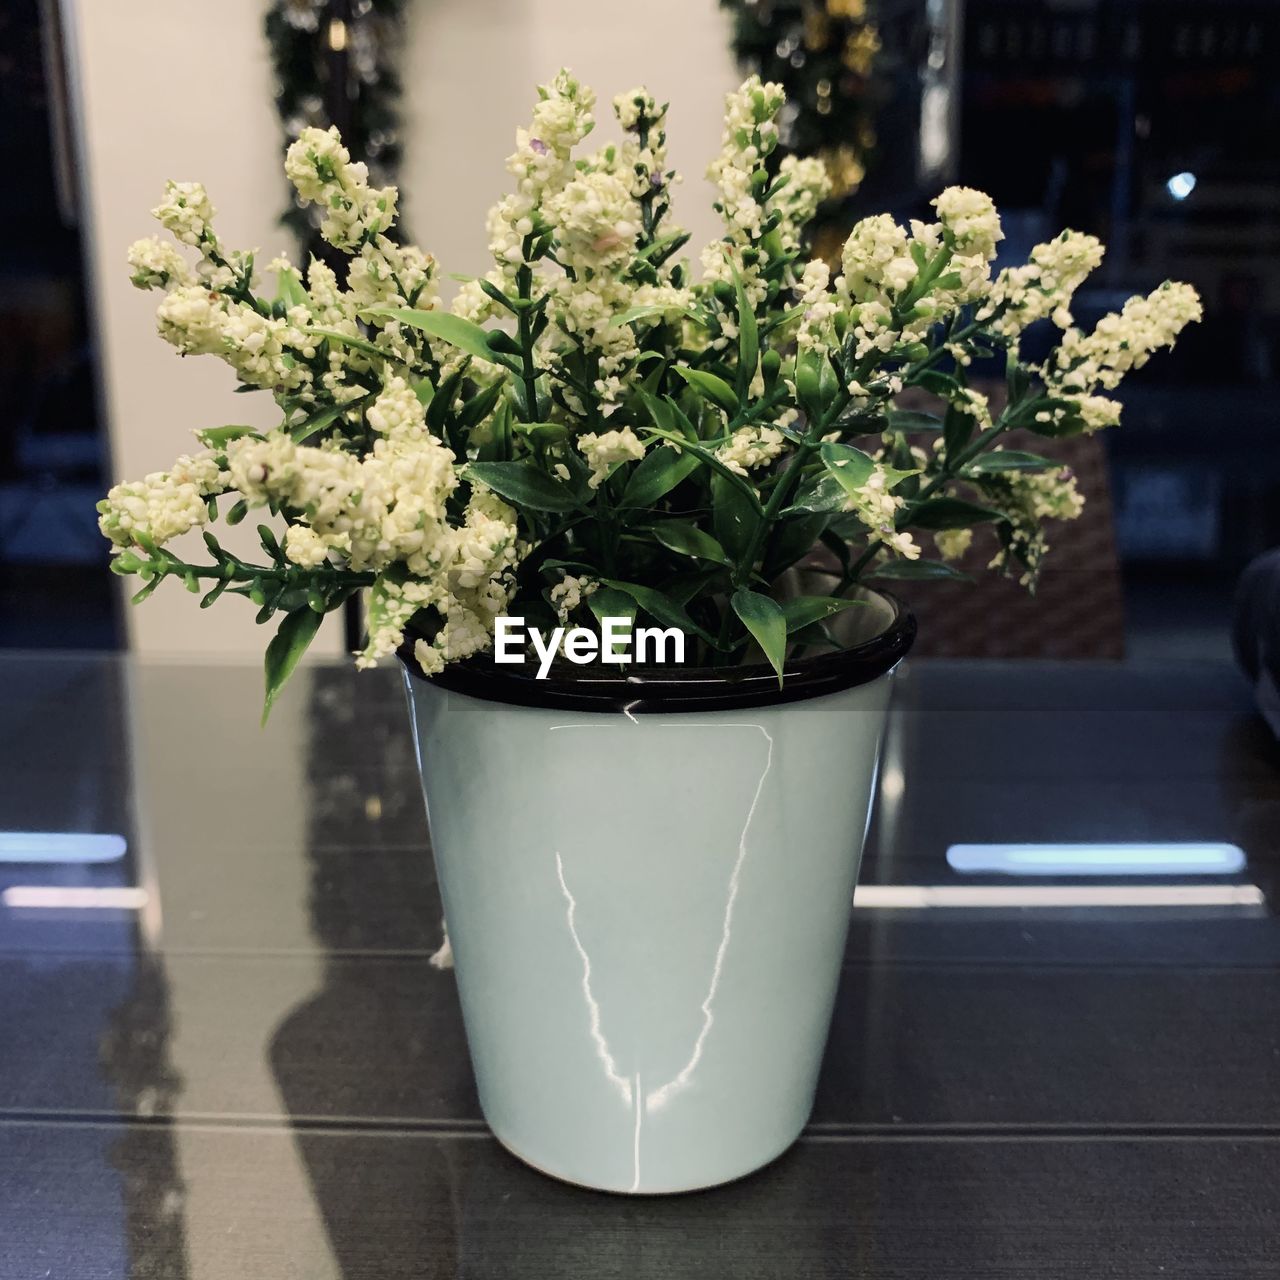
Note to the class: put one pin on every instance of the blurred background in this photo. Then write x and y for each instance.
(1150, 123)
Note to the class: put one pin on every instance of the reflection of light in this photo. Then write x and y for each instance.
(1181, 185)
(892, 783)
(622, 1084)
(935, 130)
(1183, 858)
(659, 1097)
(914, 897)
(60, 846)
(22, 896)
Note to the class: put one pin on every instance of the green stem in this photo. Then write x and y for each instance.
(524, 335)
(171, 566)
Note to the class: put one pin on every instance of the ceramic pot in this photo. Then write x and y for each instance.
(647, 881)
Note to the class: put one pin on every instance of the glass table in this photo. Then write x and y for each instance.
(224, 1050)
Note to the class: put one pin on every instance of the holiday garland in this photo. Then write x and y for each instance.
(335, 64)
(823, 53)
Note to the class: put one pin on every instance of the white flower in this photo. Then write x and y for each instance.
(876, 262)
(819, 307)
(1044, 286)
(200, 321)
(322, 172)
(1086, 363)
(597, 220)
(971, 218)
(304, 546)
(541, 164)
(185, 212)
(396, 411)
(806, 185)
(629, 107)
(751, 447)
(750, 136)
(603, 451)
(1027, 500)
(157, 265)
(429, 658)
(953, 543)
(877, 508)
(163, 505)
(1125, 340)
(569, 593)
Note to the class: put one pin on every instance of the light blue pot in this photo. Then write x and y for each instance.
(648, 906)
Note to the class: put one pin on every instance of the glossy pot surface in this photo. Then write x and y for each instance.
(648, 907)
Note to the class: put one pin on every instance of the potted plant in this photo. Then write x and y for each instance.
(647, 833)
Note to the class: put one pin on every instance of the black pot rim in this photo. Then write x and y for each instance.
(658, 690)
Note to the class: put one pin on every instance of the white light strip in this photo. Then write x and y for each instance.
(53, 897)
(1182, 858)
(914, 897)
(60, 846)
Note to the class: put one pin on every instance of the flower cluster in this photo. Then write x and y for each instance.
(591, 426)
(1027, 501)
(164, 505)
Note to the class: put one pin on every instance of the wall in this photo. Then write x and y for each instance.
(470, 77)
(182, 89)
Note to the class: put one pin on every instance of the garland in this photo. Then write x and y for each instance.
(335, 64)
(823, 53)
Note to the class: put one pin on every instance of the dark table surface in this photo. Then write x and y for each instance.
(246, 1066)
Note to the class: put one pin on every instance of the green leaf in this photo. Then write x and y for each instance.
(919, 571)
(349, 340)
(748, 337)
(789, 540)
(659, 410)
(474, 411)
(659, 606)
(957, 430)
(764, 619)
(289, 290)
(808, 381)
(1010, 460)
(548, 431)
(1071, 423)
(686, 539)
(823, 494)
(323, 418)
(683, 587)
(454, 330)
(941, 384)
(949, 513)
(1017, 379)
(663, 247)
(526, 485)
(608, 602)
(851, 467)
(657, 473)
(804, 611)
(733, 517)
(632, 314)
(910, 420)
(218, 437)
(440, 408)
(706, 456)
(714, 388)
(296, 632)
